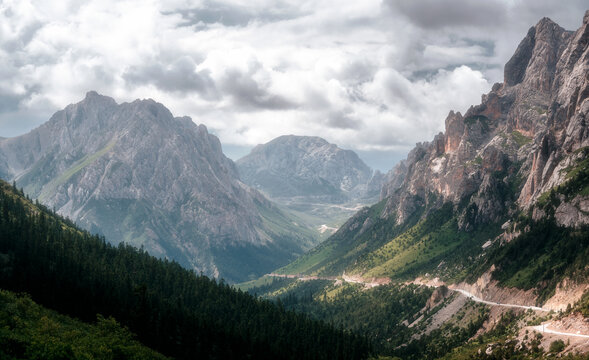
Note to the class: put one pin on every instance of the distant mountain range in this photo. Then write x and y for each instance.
(322, 182)
(135, 173)
(307, 166)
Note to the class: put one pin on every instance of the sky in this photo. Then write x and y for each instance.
(374, 76)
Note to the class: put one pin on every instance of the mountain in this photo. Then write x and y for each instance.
(310, 175)
(171, 310)
(479, 245)
(135, 173)
(291, 166)
(500, 199)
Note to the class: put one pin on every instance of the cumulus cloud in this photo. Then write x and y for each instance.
(375, 76)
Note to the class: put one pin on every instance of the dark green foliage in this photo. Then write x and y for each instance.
(171, 309)
(378, 313)
(273, 284)
(30, 331)
(557, 346)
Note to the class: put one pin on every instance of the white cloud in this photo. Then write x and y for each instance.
(368, 75)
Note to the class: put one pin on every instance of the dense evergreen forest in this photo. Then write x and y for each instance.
(171, 309)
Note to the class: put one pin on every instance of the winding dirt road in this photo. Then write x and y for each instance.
(539, 328)
(544, 329)
(477, 299)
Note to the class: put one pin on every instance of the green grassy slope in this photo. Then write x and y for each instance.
(343, 248)
(400, 252)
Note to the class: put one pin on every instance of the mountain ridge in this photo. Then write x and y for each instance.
(291, 165)
(495, 207)
(136, 173)
(510, 172)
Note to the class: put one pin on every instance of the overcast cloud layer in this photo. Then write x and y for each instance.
(373, 76)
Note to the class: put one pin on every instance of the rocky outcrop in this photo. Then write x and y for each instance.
(516, 145)
(563, 129)
(440, 293)
(136, 173)
(394, 179)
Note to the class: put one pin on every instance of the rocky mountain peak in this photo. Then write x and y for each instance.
(136, 173)
(531, 128)
(300, 141)
(515, 69)
(454, 130)
(535, 59)
(93, 98)
(290, 166)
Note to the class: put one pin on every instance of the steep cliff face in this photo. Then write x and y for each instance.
(135, 173)
(513, 147)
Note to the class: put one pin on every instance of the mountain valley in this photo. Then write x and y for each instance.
(313, 178)
(125, 232)
(491, 216)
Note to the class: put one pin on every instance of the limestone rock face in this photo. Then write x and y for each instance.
(515, 69)
(394, 179)
(514, 146)
(136, 173)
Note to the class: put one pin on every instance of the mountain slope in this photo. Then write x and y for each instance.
(135, 173)
(171, 309)
(492, 214)
(503, 190)
(316, 179)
